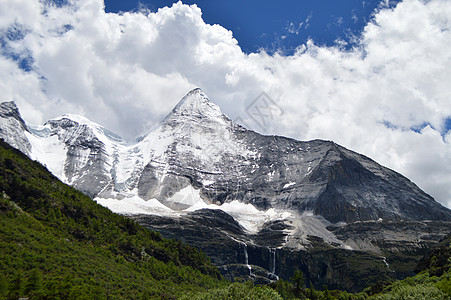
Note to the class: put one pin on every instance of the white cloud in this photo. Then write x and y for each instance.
(126, 71)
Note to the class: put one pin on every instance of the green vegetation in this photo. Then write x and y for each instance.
(57, 243)
(433, 282)
(236, 290)
(421, 286)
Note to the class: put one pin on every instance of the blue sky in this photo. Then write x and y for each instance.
(277, 26)
(284, 26)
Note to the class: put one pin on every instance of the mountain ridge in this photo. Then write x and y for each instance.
(197, 145)
(289, 197)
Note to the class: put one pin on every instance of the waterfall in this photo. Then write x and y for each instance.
(272, 262)
(246, 259)
(272, 265)
(246, 256)
(385, 261)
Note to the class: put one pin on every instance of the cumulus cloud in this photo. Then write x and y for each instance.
(387, 98)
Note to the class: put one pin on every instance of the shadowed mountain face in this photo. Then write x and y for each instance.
(277, 192)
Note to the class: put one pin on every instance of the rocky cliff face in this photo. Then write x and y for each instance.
(87, 162)
(226, 162)
(197, 146)
(13, 128)
(437, 259)
(272, 204)
(381, 250)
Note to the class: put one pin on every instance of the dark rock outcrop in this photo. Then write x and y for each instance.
(383, 250)
(437, 260)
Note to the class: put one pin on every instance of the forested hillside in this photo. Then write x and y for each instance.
(56, 242)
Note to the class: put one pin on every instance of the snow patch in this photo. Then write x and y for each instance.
(135, 205)
(188, 196)
(207, 182)
(308, 224)
(76, 118)
(49, 151)
(247, 215)
(289, 184)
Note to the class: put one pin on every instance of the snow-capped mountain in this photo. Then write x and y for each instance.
(12, 128)
(278, 193)
(198, 156)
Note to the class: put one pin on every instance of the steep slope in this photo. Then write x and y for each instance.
(13, 128)
(432, 282)
(53, 234)
(86, 152)
(200, 149)
(288, 198)
(196, 145)
(199, 156)
(437, 260)
(77, 151)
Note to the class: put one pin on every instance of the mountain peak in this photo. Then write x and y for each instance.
(13, 127)
(9, 109)
(80, 120)
(195, 95)
(8, 105)
(74, 122)
(196, 105)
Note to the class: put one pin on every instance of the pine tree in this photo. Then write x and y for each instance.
(3, 286)
(16, 286)
(298, 282)
(34, 283)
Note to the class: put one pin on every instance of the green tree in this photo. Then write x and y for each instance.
(3, 286)
(34, 282)
(421, 291)
(326, 295)
(16, 286)
(236, 291)
(298, 282)
(284, 288)
(444, 286)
